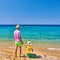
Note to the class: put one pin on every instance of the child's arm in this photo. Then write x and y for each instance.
(26, 46)
(32, 49)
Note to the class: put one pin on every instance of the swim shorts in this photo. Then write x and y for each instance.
(18, 44)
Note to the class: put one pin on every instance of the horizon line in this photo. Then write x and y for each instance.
(34, 24)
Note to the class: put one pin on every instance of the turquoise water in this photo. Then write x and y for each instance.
(31, 32)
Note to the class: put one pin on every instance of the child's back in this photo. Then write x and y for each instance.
(28, 49)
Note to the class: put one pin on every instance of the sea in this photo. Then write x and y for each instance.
(45, 33)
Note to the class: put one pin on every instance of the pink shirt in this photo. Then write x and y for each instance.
(17, 35)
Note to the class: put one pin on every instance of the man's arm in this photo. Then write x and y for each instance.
(20, 37)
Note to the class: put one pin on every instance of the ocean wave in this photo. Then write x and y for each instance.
(54, 49)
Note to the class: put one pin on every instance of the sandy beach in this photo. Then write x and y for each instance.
(7, 49)
(31, 26)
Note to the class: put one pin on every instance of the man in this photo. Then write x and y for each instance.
(18, 40)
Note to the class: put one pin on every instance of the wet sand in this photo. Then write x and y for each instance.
(7, 50)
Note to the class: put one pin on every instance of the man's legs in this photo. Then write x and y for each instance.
(20, 51)
(16, 51)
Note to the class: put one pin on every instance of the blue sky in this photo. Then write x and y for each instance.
(29, 11)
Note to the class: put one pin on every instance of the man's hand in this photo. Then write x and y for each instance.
(22, 41)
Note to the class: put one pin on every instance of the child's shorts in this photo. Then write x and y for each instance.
(18, 44)
(32, 55)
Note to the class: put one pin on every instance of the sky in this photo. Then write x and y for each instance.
(30, 12)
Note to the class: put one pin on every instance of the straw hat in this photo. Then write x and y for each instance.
(17, 26)
(29, 43)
